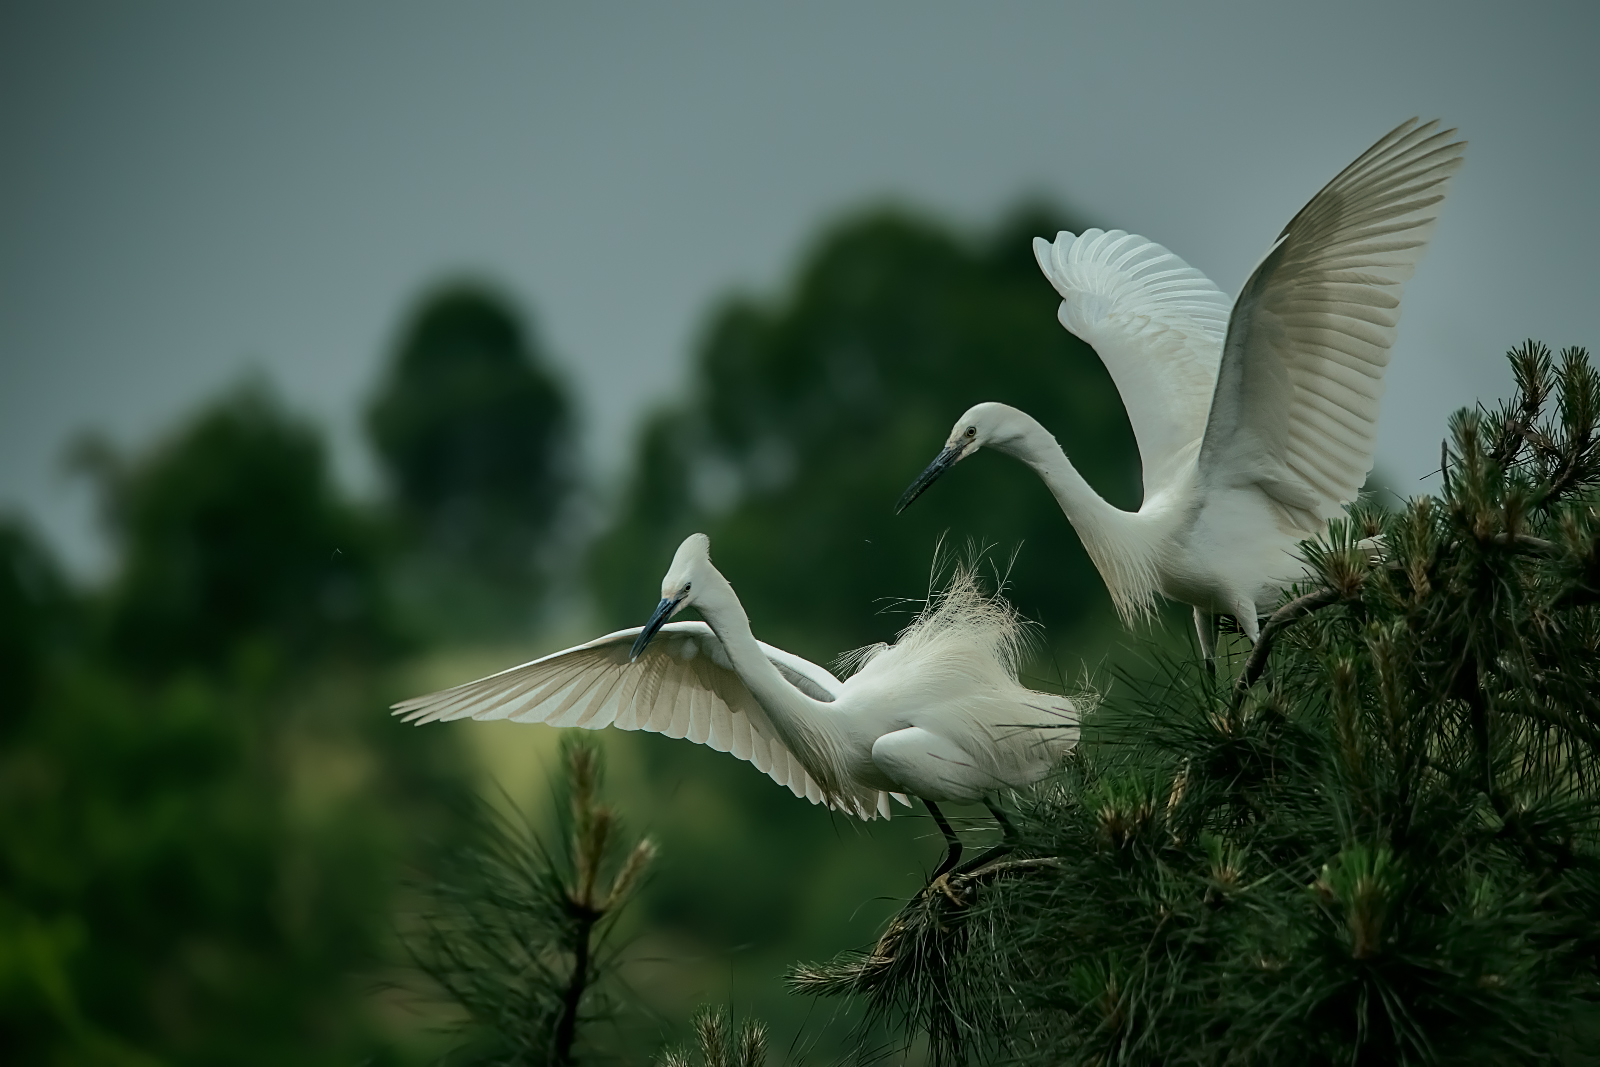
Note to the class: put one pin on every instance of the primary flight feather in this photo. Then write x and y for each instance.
(1255, 418)
(939, 714)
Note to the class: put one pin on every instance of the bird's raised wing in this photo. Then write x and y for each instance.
(1296, 404)
(1156, 323)
(683, 685)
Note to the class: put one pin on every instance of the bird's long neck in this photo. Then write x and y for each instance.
(808, 728)
(1119, 542)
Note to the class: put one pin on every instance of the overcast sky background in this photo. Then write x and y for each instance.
(191, 191)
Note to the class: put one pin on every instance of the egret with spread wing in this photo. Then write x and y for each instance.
(1256, 421)
(938, 715)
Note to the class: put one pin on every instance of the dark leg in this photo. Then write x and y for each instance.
(1007, 843)
(1008, 832)
(952, 854)
(1205, 625)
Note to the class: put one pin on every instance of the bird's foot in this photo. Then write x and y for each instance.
(952, 858)
(942, 883)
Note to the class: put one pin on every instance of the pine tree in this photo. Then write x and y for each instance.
(517, 937)
(719, 1046)
(1377, 842)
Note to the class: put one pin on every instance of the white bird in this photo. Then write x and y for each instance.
(939, 714)
(1255, 425)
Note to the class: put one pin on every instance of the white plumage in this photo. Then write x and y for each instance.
(1255, 419)
(939, 714)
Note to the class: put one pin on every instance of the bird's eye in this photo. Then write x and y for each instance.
(972, 431)
(687, 586)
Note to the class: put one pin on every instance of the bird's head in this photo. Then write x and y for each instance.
(689, 564)
(986, 424)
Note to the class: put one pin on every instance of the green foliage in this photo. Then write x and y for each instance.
(160, 888)
(1379, 844)
(201, 815)
(719, 1046)
(810, 412)
(475, 435)
(34, 610)
(233, 543)
(518, 936)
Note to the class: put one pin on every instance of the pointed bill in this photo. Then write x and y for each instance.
(663, 612)
(947, 458)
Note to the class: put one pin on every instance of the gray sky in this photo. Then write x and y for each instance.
(189, 191)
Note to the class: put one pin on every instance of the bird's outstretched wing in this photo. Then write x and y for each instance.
(683, 685)
(1156, 323)
(1296, 404)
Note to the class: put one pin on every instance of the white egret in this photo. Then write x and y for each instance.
(1255, 425)
(939, 714)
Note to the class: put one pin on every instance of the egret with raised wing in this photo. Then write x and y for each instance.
(938, 715)
(1255, 420)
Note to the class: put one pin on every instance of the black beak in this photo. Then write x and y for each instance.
(946, 459)
(664, 612)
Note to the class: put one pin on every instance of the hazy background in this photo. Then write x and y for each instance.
(410, 341)
(190, 190)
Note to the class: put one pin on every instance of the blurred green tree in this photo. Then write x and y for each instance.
(521, 937)
(810, 412)
(232, 537)
(475, 435)
(34, 609)
(202, 810)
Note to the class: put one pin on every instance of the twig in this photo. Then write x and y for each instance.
(1284, 617)
(584, 919)
(1525, 541)
(1010, 865)
(953, 885)
(1568, 476)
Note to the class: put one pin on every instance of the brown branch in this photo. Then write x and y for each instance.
(1513, 435)
(1568, 477)
(954, 884)
(584, 920)
(1010, 865)
(1284, 617)
(1525, 541)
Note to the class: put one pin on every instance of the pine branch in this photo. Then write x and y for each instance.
(1392, 856)
(1280, 620)
(513, 931)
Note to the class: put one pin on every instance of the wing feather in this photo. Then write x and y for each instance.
(1156, 323)
(1295, 409)
(682, 686)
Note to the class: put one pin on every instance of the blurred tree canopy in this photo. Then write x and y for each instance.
(202, 810)
(475, 435)
(809, 412)
(33, 610)
(231, 534)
